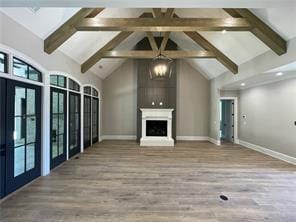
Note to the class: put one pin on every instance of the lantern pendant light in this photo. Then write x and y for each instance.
(160, 67)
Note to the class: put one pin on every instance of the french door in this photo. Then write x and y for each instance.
(2, 136)
(58, 126)
(87, 121)
(74, 123)
(20, 134)
(95, 125)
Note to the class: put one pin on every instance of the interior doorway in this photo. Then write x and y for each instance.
(228, 119)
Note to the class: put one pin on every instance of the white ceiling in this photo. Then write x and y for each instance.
(151, 3)
(238, 46)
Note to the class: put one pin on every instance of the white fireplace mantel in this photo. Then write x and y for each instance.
(157, 114)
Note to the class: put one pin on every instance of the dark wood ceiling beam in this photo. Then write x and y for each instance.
(262, 31)
(144, 54)
(163, 25)
(64, 32)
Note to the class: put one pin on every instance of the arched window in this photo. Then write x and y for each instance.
(74, 85)
(25, 70)
(3, 62)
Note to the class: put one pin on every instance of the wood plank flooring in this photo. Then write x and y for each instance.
(117, 181)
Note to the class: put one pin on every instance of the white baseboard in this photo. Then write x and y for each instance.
(119, 137)
(216, 142)
(194, 138)
(269, 152)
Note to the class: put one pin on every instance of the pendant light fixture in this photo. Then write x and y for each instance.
(160, 67)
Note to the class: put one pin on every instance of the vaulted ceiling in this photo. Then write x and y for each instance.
(238, 46)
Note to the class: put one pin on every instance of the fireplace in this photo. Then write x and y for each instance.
(157, 127)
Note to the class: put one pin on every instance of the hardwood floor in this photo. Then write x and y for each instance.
(117, 181)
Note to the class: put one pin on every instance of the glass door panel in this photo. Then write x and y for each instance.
(58, 116)
(74, 124)
(95, 120)
(87, 121)
(23, 134)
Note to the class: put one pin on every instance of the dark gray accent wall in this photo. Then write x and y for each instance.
(156, 91)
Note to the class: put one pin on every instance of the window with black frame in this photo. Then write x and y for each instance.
(57, 80)
(3, 62)
(25, 70)
(74, 85)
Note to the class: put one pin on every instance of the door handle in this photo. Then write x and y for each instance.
(2, 150)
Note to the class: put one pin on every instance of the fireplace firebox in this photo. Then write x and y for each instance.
(156, 128)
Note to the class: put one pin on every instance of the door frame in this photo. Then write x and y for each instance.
(235, 130)
(63, 158)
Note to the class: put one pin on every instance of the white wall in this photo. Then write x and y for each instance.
(270, 114)
(120, 101)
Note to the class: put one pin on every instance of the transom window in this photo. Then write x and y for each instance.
(74, 85)
(24, 70)
(3, 62)
(95, 93)
(57, 80)
(87, 90)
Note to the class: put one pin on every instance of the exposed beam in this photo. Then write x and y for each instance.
(91, 61)
(169, 13)
(164, 41)
(95, 12)
(179, 54)
(152, 41)
(262, 31)
(99, 54)
(64, 32)
(144, 54)
(204, 43)
(163, 25)
(157, 12)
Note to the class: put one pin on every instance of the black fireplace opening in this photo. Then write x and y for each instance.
(156, 128)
